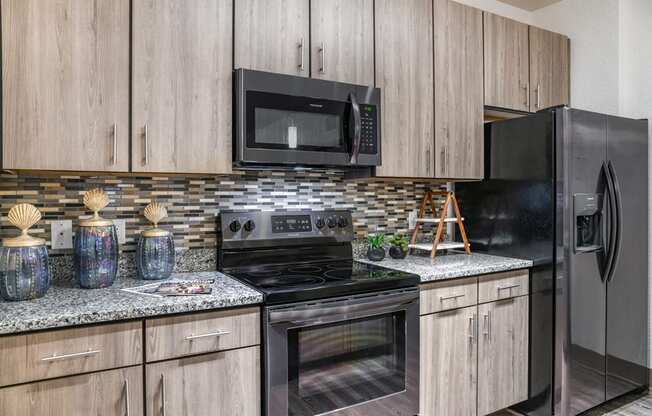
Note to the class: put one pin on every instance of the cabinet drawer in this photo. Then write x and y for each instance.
(199, 333)
(503, 285)
(449, 294)
(69, 351)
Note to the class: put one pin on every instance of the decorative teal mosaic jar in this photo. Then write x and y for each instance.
(24, 265)
(96, 246)
(155, 254)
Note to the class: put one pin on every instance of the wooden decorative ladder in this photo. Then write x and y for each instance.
(437, 244)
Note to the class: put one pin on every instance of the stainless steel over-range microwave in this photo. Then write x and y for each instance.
(287, 120)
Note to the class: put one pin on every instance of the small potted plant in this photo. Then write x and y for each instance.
(376, 252)
(399, 247)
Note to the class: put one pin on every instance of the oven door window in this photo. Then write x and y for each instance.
(339, 365)
(284, 122)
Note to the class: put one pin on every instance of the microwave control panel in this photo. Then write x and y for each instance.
(369, 137)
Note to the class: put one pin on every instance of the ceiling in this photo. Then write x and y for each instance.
(530, 5)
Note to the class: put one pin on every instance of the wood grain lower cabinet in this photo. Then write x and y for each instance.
(218, 384)
(502, 354)
(65, 85)
(109, 393)
(181, 86)
(449, 353)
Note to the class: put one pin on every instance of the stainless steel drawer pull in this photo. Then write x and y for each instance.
(84, 354)
(114, 159)
(146, 154)
(209, 335)
(510, 287)
(471, 329)
(162, 394)
(443, 298)
(322, 52)
(127, 396)
(301, 63)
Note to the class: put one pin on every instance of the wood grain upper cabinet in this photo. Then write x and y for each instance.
(404, 72)
(224, 383)
(449, 355)
(181, 88)
(109, 393)
(549, 69)
(342, 34)
(459, 97)
(502, 354)
(506, 63)
(273, 36)
(65, 85)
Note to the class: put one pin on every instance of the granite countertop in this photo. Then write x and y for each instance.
(68, 305)
(451, 266)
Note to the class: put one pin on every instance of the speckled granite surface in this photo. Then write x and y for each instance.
(67, 305)
(451, 266)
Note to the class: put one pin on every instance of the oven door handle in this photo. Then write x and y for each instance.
(314, 314)
(357, 129)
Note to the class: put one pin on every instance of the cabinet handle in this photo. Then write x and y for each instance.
(84, 354)
(471, 329)
(486, 325)
(510, 287)
(322, 53)
(538, 95)
(114, 159)
(443, 298)
(428, 162)
(162, 394)
(127, 397)
(301, 63)
(526, 88)
(209, 335)
(146, 144)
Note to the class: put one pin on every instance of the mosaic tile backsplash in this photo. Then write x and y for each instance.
(194, 202)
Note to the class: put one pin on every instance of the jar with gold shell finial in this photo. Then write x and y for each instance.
(155, 254)
(96, 245)
(24, 265)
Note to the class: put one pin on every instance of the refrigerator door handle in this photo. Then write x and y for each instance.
(618, 216)
(611, 223)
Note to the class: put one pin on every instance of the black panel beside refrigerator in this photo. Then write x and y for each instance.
(568, 189)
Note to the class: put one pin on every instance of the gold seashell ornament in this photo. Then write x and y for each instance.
(23, 217)
(155, 212)
(96, 200)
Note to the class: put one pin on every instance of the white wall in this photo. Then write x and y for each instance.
(499, 8)
(593, 27)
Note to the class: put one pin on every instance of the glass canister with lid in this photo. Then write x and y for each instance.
(155, 255)
(96, 245)
(24, 265)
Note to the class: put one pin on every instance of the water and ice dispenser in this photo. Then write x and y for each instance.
(587, 212)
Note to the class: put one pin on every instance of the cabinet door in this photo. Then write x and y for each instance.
(502, 354)
(342, 40)
(549, 69)
(459, 97)
(449, 363)
(109, 393)
(506, 63)
(273, 36)
(65, 85)
(182, 82)
(404, 72)
(219, 384)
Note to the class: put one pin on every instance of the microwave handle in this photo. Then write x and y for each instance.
(357, 129)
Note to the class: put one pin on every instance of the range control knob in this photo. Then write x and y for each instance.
(235, 226)
(249, 226)
(320, 223)
(331, 222)
(342, 222)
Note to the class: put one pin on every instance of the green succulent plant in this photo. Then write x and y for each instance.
(399, 241)
(376, 240)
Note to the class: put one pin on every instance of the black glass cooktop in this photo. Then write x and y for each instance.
(298, 282)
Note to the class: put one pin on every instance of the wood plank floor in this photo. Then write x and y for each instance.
(639, 405)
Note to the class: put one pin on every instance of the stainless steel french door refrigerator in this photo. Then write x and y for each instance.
(568, 189)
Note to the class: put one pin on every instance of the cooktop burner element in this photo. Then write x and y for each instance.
(291, 263)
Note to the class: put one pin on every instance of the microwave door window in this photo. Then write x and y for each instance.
(282, 129)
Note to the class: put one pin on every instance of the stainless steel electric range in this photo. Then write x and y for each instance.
(340, 337)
